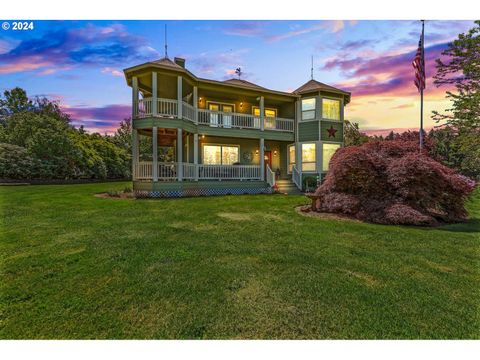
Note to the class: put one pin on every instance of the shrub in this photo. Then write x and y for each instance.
(390, 182)
(16, 163)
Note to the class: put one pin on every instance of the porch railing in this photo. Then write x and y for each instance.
(270, 176)
(167, 171)
(296, 177)
(188, 111)
(229, 172)
(169, 108)
(189, 171)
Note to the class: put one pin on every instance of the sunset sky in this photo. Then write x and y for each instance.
(80, 63)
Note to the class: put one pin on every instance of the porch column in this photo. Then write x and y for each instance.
(154, 94)
(298, 155)
(155, 153)
(179, 154)
(195, 104)
(195, 154)
(262, 159)
(134, 153)
(318, 107)
(179, 97)
(134, 97)
(262, 113)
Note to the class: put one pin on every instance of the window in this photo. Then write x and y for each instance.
(291, 157)
(308, 157)
(270, 115)
(331, 109)
(308, 109)
(328, 151)
(220, 154)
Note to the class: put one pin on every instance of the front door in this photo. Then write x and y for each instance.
(267, 161)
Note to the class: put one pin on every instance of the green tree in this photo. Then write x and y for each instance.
(352, 134)
(460, 67)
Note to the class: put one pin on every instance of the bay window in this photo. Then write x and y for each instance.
(328, 151)
(309, 157)
(308, 109)
(220, 154)
(331, 109)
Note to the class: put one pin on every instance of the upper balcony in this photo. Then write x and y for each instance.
(169, 109)
(165, 94)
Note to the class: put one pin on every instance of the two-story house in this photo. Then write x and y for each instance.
(228, 137)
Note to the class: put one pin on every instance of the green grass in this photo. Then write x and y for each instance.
(77, 266)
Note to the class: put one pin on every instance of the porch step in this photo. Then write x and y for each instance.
(287, 186)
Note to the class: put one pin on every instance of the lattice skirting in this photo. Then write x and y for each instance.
(201, 192)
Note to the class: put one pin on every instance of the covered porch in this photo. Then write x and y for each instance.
(176, 155)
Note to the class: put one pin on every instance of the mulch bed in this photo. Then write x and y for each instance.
(305, 210)
(120, 196)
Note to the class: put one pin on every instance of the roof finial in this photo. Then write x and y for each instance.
(311, 69)
(166, 52)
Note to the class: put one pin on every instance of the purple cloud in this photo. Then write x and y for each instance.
(67, 48)
(386, 75)
(106, 117)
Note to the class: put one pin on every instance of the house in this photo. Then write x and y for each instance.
(213, 137)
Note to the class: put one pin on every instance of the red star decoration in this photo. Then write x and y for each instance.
(331, 132)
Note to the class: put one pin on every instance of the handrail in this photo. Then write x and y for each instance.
(169, 108)
(296, 177)
(167, 171)
(270, 176)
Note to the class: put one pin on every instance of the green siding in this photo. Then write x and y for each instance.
(308, 131)
(337, 125)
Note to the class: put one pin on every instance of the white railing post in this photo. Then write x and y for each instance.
(262, 113)
(154, 94)
(179, 97)
(195, 104)
(134, 97)
(195, 154)
(179, 154)
(155, 153)
(262, 159)
(134, 153)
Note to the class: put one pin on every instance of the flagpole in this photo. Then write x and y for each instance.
(421, 88)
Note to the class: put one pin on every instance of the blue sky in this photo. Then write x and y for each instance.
(80, 63)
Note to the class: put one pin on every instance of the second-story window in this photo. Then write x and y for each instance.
(331, 109)
(308, 108)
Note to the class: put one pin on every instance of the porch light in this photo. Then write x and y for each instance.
(275, 153)
(256, 152)
(241, 105)
(200, 100)
(203, 136)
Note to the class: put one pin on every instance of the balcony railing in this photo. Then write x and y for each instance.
(167, 171)
(169, 108)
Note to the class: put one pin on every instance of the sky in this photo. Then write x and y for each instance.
(80, 63)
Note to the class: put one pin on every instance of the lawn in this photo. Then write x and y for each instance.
(74, 266)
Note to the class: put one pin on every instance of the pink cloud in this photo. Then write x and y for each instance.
(390, 75)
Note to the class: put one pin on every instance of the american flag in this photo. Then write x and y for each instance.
(419, 66)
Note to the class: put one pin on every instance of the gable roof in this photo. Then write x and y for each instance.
(314, 85)
(243, 83)
(167, 62)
